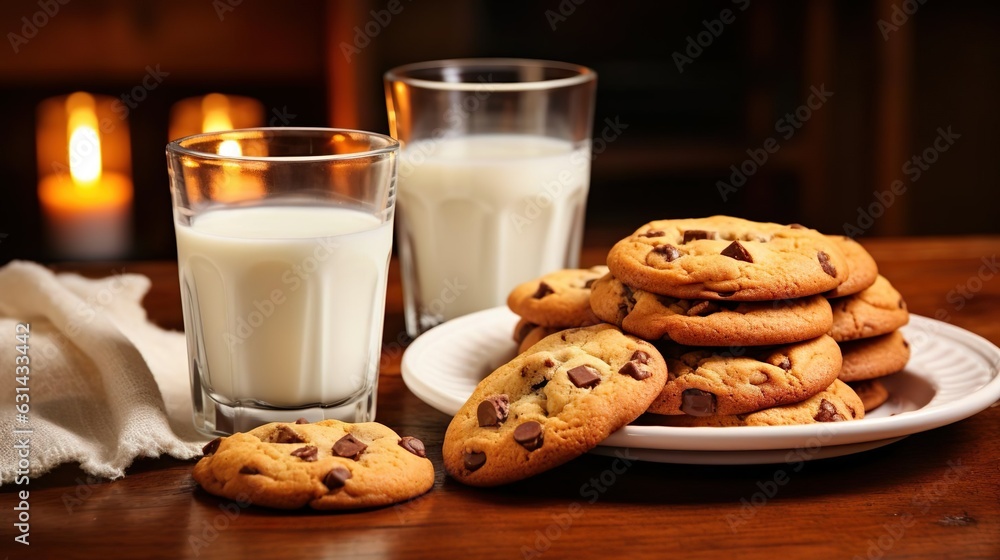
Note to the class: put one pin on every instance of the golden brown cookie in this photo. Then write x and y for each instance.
(557, 299)
(325, 465)
(534, 336)
(836, 403)
(709, 323)
(719, 381)
(869, 358)
(863, 268)
(876, 310)
(726, 258)
(551, 404)
(871, 392)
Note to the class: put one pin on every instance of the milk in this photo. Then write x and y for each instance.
(481, 214)
(287, 301)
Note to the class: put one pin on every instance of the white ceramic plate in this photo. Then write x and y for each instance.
(952, 375)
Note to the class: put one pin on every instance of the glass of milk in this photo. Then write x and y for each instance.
(493, 178)
(283, 244)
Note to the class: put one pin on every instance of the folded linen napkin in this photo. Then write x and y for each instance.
(103, 384)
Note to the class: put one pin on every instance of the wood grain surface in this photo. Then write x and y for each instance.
(931, 495)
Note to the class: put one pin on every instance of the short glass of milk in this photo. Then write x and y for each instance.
(493, 178)
(283, 244)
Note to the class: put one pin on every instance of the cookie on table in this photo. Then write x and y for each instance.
(863, 268)
(836, 403)
(721, 381)
(876, 310)
(558, 299)
(726, 258)
(871, 392)
(551, 404)
(706, 322)
(324, 465)
(869, 358)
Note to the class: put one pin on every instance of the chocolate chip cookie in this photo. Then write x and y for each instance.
(876, 310)
(738, 380)
(869, 358)
(863, 268)
(871, 392)
(725, 258)
(836, 403)
(708, 322)
(325, 465)
(558, 299)
(551, 404)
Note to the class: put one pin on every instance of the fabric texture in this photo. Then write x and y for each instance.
(104, 385)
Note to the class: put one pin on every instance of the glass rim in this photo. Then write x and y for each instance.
(583, 74)
(178, 147)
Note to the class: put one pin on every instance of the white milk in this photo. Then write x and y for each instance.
(485, 213)
(288, 301)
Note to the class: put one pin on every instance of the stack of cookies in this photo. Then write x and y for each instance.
(701, 322)
(867, 313)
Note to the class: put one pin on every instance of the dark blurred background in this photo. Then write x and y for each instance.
(693, 86)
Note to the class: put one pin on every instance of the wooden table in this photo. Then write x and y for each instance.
(931, 495)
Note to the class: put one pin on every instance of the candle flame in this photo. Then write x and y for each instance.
(215, 111)
(84, 141)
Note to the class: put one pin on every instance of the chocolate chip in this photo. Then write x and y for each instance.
(584, 377)
(652, 233)
(824, 261)
(284, 434)
(695, 234)
(623, 312)
(474, 460)
(696, 402)
(906, 344)
(529, 435)
(548, 362)
(301, 421)
(737, 251)
(901, 303)
(635, 369)
(701, 309)
(589, 283)
(828, 413)
(307, 453)
(336, 478)
(522, 333)
(349, 446)
(249, 470)
(493, 411)
(413, 445)
(785, 363)
(640, 356)
(543, 290)
(211, 447)
(629, 294)
(726, 294)
(669, 252)
(540, 384)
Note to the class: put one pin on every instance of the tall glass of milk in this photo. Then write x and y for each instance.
(283, 244)
(493, 178)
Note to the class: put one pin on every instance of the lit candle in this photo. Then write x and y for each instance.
(216, 112)
(86, 198)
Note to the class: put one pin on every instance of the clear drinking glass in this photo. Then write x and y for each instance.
(494, 173)
(283, 244)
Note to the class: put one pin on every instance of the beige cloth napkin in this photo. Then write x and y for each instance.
(105, 385)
